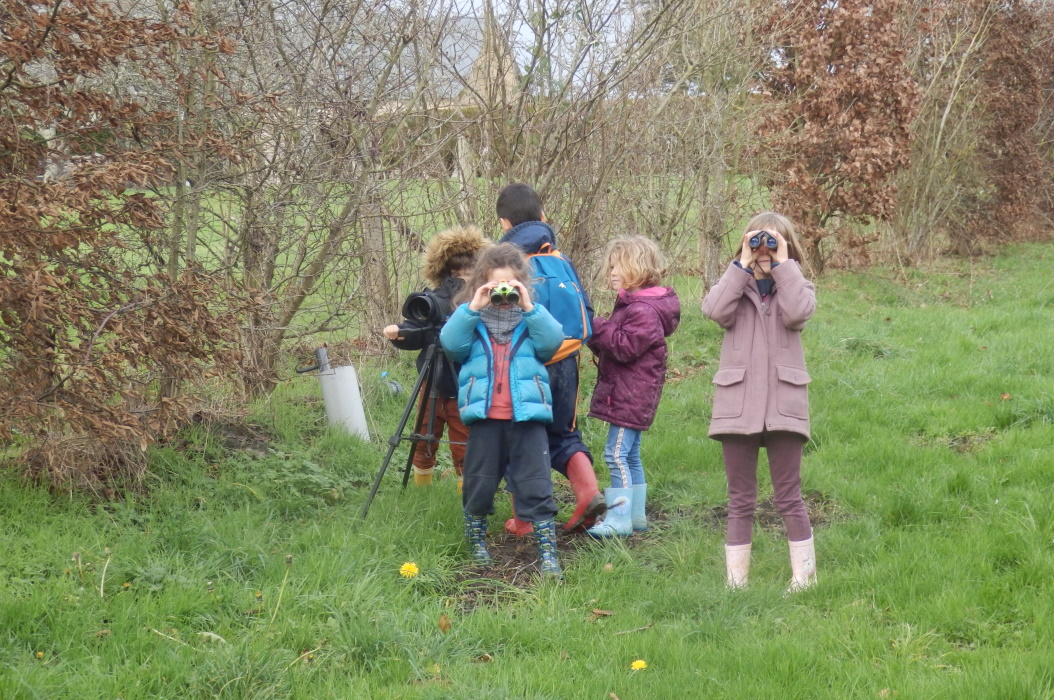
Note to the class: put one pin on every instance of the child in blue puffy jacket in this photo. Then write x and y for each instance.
(502, 340)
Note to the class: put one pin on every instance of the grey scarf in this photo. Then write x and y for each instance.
(500, 324)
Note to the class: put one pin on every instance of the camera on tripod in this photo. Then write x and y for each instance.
(424, 307)
(504, 293)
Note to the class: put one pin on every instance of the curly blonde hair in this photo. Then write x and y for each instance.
(639, 261)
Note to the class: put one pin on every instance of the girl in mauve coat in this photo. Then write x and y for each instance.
(761, 389)
(631, 349)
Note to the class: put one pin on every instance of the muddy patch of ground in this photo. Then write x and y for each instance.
(515, 567)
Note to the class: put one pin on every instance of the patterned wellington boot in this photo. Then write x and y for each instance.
(476, 534)
(545, 536)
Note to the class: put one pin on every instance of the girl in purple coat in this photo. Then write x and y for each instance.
(761, 389)
(631, 349)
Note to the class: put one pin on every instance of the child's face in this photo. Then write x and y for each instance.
(616, 279)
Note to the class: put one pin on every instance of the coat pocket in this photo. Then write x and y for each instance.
(730, 392)
(792, 391)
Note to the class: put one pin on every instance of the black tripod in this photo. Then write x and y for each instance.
(429, 377)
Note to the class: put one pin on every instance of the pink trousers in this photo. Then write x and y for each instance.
(741, 467)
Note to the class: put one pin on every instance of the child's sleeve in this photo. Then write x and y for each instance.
(637, 331)
(457, 334)
(721, 301)
(545, 332)
(797, 295)
(412, 337)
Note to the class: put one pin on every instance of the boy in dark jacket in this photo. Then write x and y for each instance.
(522, 220)
(448, 260)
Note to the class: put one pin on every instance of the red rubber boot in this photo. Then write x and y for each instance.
(515, 526)
(589, 502)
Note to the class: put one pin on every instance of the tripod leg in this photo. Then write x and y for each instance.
(431, 390)
(393, 441)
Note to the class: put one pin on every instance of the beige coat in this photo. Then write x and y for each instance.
(761, 384)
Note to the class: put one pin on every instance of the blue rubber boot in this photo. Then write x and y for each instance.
(618, 522)
(476, 534)
(640, 519)
(545, 536)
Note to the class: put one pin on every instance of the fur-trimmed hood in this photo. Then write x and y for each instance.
(460, 239)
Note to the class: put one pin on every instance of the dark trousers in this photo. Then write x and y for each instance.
(564, 436)
(517, 452)
(741, 468)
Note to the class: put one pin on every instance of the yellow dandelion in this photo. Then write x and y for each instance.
(409, 570)
(639, 665)
(40, 655)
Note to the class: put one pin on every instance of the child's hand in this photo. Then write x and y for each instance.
(392, 332)
(747, 256)
(781, 254)
(525, 302)
(481, 298)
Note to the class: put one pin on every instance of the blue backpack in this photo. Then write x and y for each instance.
(558, 291)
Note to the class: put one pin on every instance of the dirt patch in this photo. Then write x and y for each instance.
(822, 511)
(515, 567)
(236, 436)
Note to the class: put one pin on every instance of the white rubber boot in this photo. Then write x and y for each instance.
(803, 565)
(737, 564)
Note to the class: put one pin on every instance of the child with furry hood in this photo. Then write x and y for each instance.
(448, 259)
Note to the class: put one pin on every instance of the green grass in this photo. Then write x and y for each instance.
(933, 413)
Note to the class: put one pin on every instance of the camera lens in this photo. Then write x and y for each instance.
(419, 308)
(423, 307)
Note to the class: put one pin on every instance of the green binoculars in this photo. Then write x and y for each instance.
(504, 293)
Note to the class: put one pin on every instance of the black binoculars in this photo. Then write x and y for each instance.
(504, 293)
(763, 238)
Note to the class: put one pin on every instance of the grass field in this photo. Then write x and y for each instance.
(246, 572)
